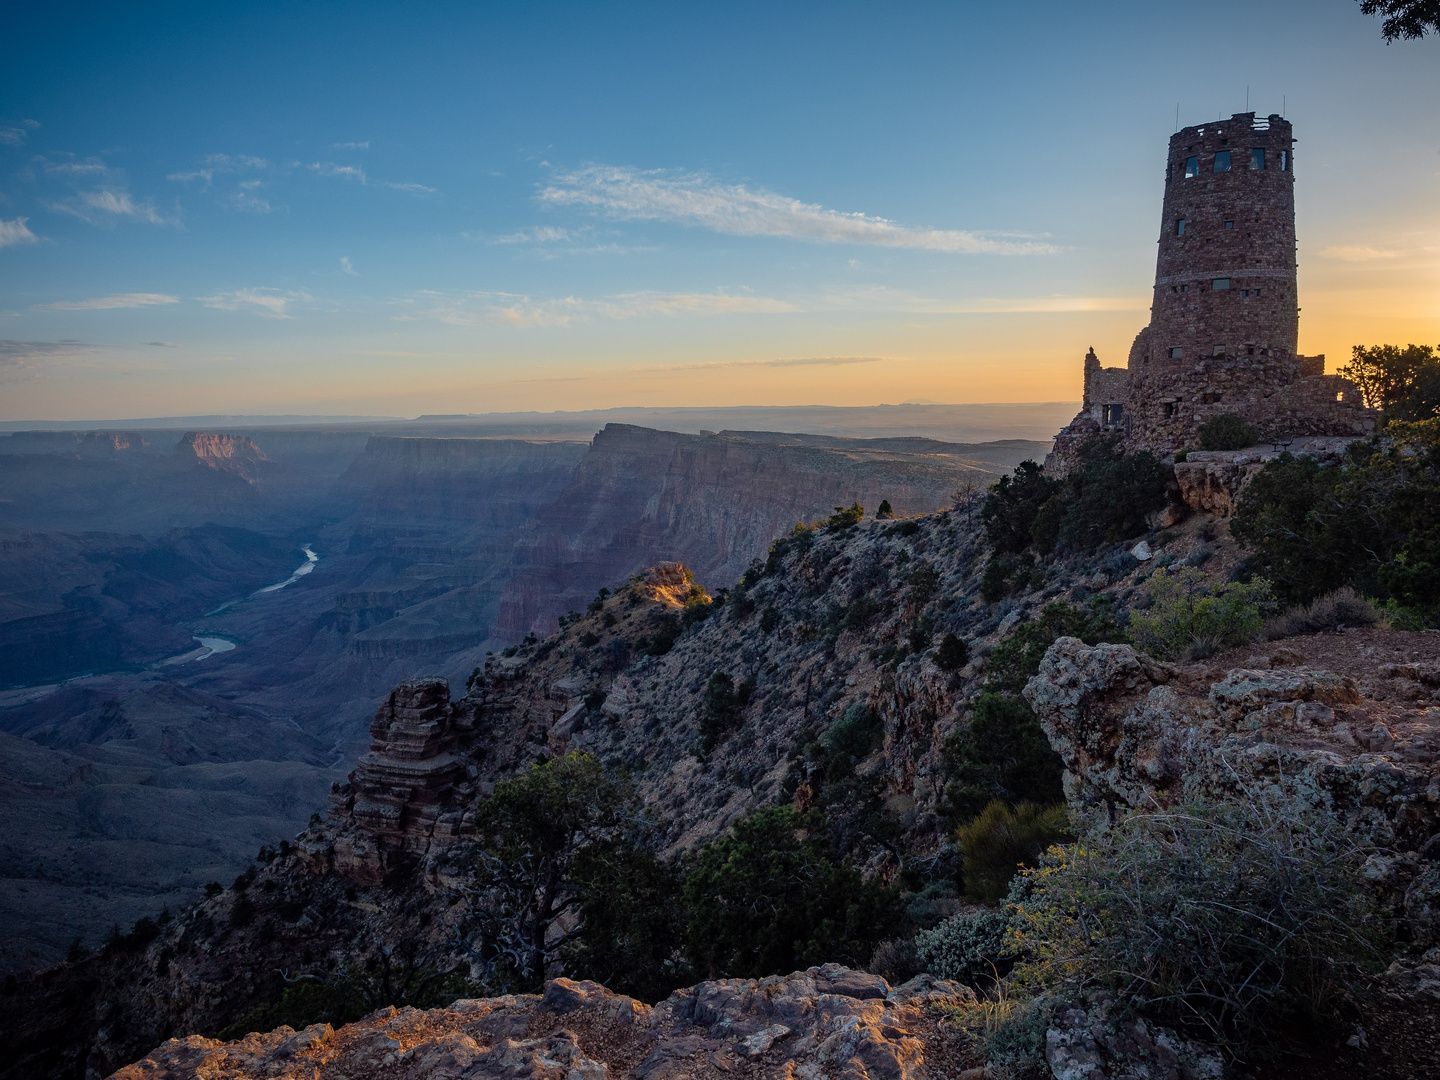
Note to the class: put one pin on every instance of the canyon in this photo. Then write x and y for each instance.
(131, 779)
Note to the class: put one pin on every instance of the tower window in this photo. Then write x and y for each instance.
(1257, 158)
(1180, 226)
(1177, 353)
(1222, 161)
(1184, 288)
(1192, 168)
(1254, 292)
(1219, 284)
(1169, 409)
(1284, 160)
(1229, 224)
(1111, 413)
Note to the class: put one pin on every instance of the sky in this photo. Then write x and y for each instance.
(396, 209)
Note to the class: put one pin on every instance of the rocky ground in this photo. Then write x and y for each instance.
(824, 631)
(827, 1021)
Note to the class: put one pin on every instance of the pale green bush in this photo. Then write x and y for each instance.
(1187, 619)
(965, 947)
(1230, 916)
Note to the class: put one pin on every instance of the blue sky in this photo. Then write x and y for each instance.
(396, 209)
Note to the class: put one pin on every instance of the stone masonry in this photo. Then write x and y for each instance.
(1224, 319)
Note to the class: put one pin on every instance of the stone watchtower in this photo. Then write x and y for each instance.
(1224, 319)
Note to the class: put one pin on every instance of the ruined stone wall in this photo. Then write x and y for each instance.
(1166, 408)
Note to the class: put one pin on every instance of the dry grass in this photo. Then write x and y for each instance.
(1343, 607)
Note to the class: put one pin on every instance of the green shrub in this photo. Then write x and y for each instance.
(894, 960)
(662, 639)
(242, 912)
(300, 1005)
(1009, 510)
(852, 738)
(800, 541)
(1187, 619)
(720, 707)
(886, 511)
(953, 653)
(1002, 753)
(1105, 498)
(769, 619)
(965, 948)
(1372, 523)
(1000, 840)
(860, 612)
(1013, 662)
(845, 517)
(1230, 916)
(769, 898)
(924, 583)
(1228, 431)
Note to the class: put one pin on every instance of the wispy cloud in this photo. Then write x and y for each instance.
(220, 163)
(778, 362)
(696, 199)
(269, 303)
(543, 234)
(329, 168)
(244, 198)
(19, 357)
(15, 136)
(77, 168)
(409, 189)
(351, 145)
(102, 206)
(1358, 253)
(346, 267)
(109, 303)
(1019, 305)
(163, 344)
(16, 232)
(511, 309)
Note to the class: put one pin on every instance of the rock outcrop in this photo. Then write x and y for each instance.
(824, 1022)
(410, 783)
(1362, 742)
(1211, 481)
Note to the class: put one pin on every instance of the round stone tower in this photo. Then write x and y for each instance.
(1224, 324)
(1225, 276)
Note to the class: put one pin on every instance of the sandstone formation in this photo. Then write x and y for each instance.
(411, 782)
(824, 1022)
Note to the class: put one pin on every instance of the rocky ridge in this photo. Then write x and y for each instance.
(827, 1021)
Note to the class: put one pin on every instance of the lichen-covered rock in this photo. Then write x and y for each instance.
(827, 1021)
(1133, 733)
(1096, 1041)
